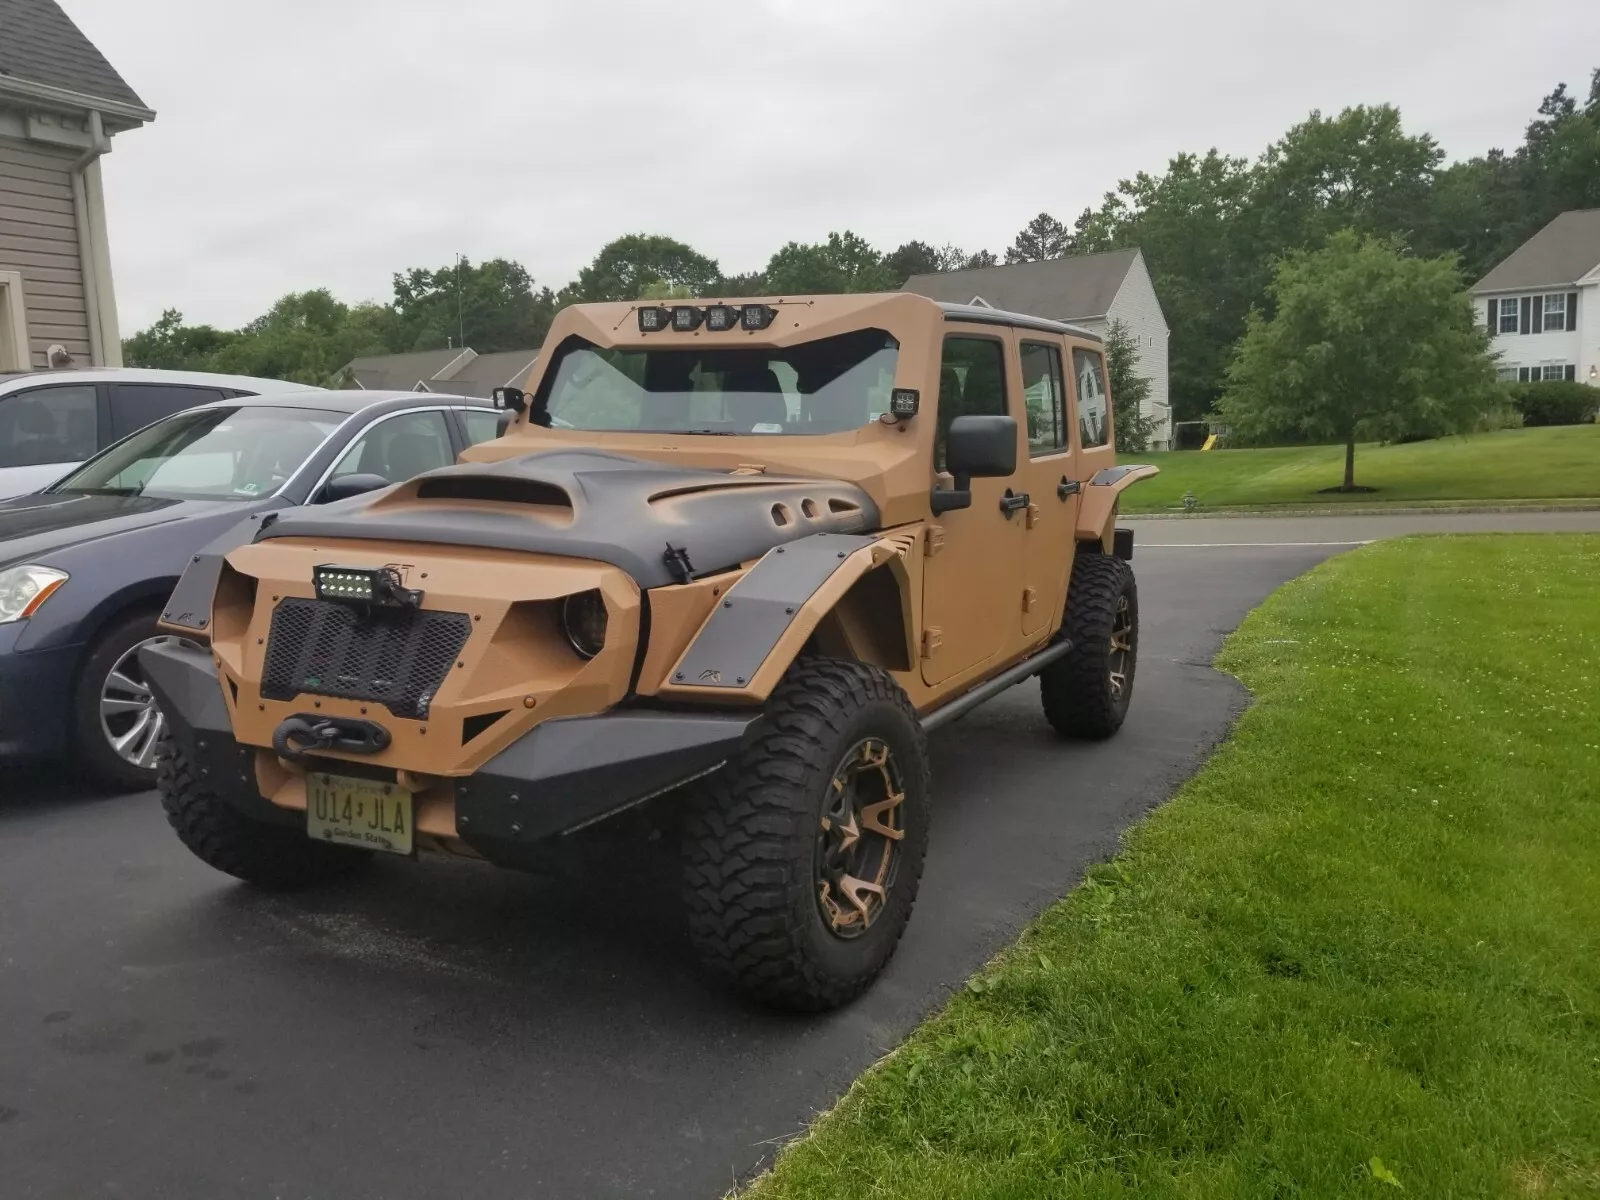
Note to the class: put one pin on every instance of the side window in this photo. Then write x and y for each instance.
(135, 405)
(49, 425)
(399, 448)
(972, 382)
(1046, 396)
(483, 424)
(1093, 414)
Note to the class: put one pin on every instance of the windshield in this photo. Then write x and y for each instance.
(209, 454)
(824, 386)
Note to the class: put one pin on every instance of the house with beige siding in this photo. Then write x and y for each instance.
(61, 103)
(1089, 290)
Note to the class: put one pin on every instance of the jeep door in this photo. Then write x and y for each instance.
(970, 577)
(1052, 480)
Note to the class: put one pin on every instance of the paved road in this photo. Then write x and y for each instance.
(450, 1030)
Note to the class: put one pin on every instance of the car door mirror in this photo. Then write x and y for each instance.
(976, 446)
(346, 486)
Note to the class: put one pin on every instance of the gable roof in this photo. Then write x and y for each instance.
(1063, 289)
(41, 45)
(399, 372)
(1560, 254)
(488, 371)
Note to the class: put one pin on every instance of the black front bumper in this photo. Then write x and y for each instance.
(558, 777)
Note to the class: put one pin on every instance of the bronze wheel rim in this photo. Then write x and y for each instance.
(1121, 647)
(858, 842)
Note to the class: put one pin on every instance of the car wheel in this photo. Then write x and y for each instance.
(1086, 694)
(802, 857)
(118, 723)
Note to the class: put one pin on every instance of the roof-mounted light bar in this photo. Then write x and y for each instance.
(717, 318)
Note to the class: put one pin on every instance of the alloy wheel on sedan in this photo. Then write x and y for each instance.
(130, 718)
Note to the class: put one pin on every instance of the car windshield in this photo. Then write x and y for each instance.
(209, 454)
(824, 386)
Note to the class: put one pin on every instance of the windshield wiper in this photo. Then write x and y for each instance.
(137, 490)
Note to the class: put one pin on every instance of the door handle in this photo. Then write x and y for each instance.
(1067, 487)
(1012, 501)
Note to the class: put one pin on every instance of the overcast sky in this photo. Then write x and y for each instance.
(329, 143)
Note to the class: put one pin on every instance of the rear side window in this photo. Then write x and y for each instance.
(972, 382)
(1094, 417)
(483, 424)
(135, 405)
(1043, 388)
(49, 425)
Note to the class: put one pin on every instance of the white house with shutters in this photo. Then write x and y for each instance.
(1542, 304)
(60, 105)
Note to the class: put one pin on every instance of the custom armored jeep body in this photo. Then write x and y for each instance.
(742, 556)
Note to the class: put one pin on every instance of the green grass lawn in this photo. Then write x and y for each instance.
(1556, 463)
(1358, 954)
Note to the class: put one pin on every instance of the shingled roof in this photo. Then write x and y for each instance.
(1064, 289)
(40, 44)
(1559, 255)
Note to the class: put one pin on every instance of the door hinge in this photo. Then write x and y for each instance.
(932, 540)
(1033, 515)
(1028, 597)
(932, 639)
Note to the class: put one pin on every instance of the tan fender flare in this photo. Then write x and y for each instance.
(716, 668)
(1098, 510)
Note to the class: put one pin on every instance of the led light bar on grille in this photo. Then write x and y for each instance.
(364, 585)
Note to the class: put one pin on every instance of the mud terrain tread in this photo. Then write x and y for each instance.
(265, 855)
(1076, 691)
(743, 881)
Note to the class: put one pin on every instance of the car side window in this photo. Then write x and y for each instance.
(399, 447)
(135, 405)
(45, 425)
(1042, 385)
(972, 382)
(1093, 408)
(483, 424)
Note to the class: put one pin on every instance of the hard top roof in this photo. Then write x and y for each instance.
(352, 400)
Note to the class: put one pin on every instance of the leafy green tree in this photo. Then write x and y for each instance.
(843, 263)
(489, 306)
(1129, 390)
(625, 268)
(1041, 238)
(174, 346)
(750, 283)
(1363, 342)
(911, 258)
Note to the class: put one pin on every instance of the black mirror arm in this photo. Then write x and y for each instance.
(945, 500)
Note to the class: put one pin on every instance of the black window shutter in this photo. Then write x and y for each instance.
(1527, 315)
(1494, 315)
(1522, 374)
(1572, 373)
(1572, 311)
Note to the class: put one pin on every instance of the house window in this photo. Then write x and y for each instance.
(1508, 315)
(1557, 371)
(1555, 313)
(1506, 374)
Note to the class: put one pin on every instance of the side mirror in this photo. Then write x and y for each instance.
(347, 486)
(985, 447)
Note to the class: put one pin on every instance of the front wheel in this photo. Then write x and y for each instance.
(116, 722)
(802, 858)
(1086, 694)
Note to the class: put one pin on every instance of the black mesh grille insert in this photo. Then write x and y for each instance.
(394, 657)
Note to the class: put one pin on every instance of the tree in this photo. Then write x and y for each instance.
(843, 263)
(174, 346)
(911, 258)
(491, 306)
(1129, 390)
(1363, 342)
(1041, 238)
(626, 268)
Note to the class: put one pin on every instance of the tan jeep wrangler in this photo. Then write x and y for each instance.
(747, 553)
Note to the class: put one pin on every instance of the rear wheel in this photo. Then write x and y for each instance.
(270, 856)
(801, 859)
(1086, 694)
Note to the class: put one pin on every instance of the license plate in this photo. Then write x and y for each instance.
(358, 812)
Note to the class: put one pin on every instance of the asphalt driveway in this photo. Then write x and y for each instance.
(449, 1030)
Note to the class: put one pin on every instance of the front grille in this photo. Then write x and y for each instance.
(394, 657)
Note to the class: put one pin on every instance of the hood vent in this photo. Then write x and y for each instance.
(495, 489)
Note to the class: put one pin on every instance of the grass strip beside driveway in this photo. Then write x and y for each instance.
(1358, 954)
(1548, 464)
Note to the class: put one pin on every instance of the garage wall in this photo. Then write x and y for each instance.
(39, 239)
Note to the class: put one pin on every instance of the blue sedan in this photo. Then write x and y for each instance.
(86, 564)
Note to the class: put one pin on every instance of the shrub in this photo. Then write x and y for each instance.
(1555, 402)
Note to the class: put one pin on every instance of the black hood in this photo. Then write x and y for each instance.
(35, 526)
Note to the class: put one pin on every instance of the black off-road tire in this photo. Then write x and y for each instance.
(751, 836)
(1078, 692)
(269, 856)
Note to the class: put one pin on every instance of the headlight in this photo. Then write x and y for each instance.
(583, 620)
(24, 589)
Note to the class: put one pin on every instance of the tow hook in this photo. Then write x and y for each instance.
(298, 737)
